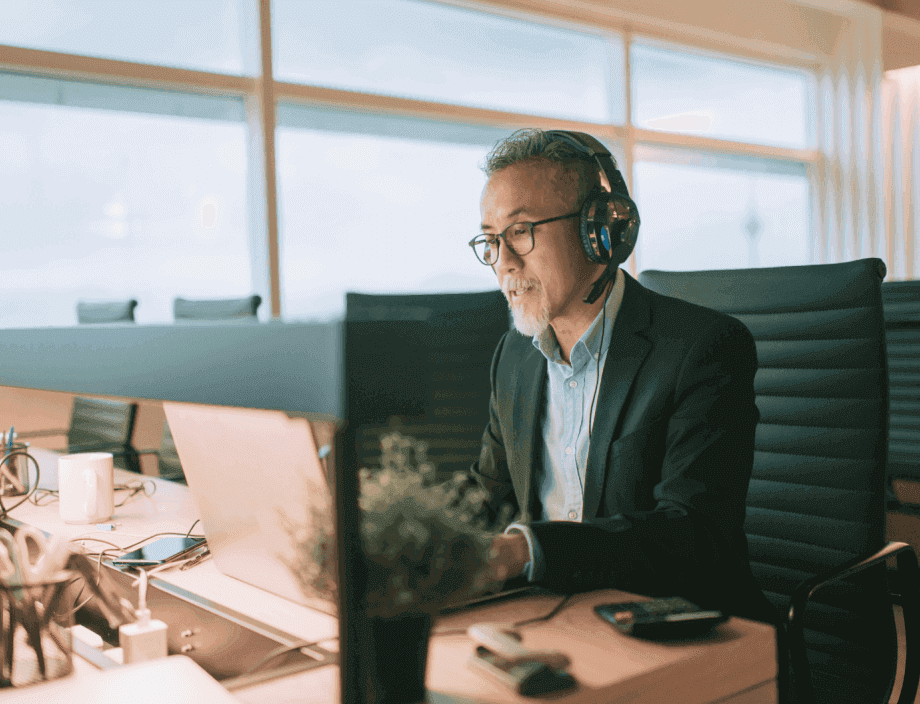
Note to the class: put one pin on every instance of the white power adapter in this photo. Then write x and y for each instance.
(145, 639)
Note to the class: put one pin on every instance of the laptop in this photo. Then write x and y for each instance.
(253, 475)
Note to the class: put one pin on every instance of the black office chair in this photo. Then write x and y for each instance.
(423, 361)
(168, 464)
(901, 301)
(99, 425)
(816, 512)
(106, 311)
(216, 309)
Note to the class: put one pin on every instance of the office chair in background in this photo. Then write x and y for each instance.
(901, 301)
(106, 311)
(422, 360)
(816, 509)
(99, 425)
(216, 309)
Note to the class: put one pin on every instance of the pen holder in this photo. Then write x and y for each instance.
(16, 461)
(35, 637)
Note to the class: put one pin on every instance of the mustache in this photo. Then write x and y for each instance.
(518, 283)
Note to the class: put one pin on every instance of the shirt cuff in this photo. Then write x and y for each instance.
(536, 568)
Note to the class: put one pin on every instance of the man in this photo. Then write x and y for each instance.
(621, 431)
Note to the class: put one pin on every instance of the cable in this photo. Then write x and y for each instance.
(189, 534)
(135, 488)
(4, 511)
(563, 602)
(146, 486)
(600, 351)
(283, 650)
(552, 613)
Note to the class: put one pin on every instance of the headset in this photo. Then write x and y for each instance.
(609, 222)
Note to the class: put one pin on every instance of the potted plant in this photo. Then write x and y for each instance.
(425, 545)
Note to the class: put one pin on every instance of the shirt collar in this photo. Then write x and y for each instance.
(590, 343)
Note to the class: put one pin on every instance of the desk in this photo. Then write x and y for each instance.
(735, 665)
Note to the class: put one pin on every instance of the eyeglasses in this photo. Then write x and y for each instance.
(518, 237)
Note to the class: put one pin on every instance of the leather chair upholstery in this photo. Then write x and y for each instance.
(436, 350)
(816, 497)
(104, 425)
(901, 301)
(216, 309)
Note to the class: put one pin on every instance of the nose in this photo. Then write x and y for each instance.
(508, 262)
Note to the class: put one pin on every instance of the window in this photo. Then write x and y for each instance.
(376, 205)
(385, 110)
(429, 51)
(102, 204)
(208, 35)
(705, 212)
(715, 96)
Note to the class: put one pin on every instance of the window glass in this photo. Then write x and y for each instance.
(433, 52)
(106, 205)
(719, 97)
(388, 208)
(709, 214)
(209, 35)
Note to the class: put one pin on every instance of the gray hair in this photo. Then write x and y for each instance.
(534, 144)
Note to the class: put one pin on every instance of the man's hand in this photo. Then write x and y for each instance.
(507, 557)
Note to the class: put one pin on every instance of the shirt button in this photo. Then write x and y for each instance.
(596, 355)
(573, 384)
(573, 515)
(569, 450)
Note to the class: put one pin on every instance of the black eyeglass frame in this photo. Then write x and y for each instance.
(481, 238)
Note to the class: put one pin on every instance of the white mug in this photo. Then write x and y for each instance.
(86, 487)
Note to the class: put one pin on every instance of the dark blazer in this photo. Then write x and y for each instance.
(669, 459)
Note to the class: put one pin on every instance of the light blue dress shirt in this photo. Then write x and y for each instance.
(568, 416)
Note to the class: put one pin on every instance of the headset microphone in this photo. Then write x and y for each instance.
(609, 221)
(597, 288)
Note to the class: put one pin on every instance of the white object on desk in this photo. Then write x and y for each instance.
(176, 679)
(86, 487)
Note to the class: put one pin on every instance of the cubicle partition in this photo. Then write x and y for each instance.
(294, 367)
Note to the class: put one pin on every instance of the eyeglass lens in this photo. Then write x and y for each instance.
(518, 237)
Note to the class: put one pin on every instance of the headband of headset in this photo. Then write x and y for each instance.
(609, 222)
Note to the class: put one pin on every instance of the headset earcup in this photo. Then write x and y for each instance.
(592, 228)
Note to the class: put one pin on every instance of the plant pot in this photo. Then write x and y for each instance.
(399, 649)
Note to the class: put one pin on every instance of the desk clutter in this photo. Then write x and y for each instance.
(36, 610)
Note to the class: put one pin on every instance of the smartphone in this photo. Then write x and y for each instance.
(159, 552)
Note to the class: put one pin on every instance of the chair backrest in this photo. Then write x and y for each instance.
(902, 330)
(104, 425)
(106, 311)
(816, 496)
(169, 465)
(216, 309)
(425, 359)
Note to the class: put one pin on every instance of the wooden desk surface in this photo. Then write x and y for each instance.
(736, 664)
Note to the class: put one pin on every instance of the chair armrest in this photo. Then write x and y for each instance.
(795, 628)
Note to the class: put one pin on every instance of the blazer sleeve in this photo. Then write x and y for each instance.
(692, 542)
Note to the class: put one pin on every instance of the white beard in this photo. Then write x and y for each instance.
(527, 322)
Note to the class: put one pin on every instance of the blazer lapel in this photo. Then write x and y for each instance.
(628, 349)
(528, 387)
